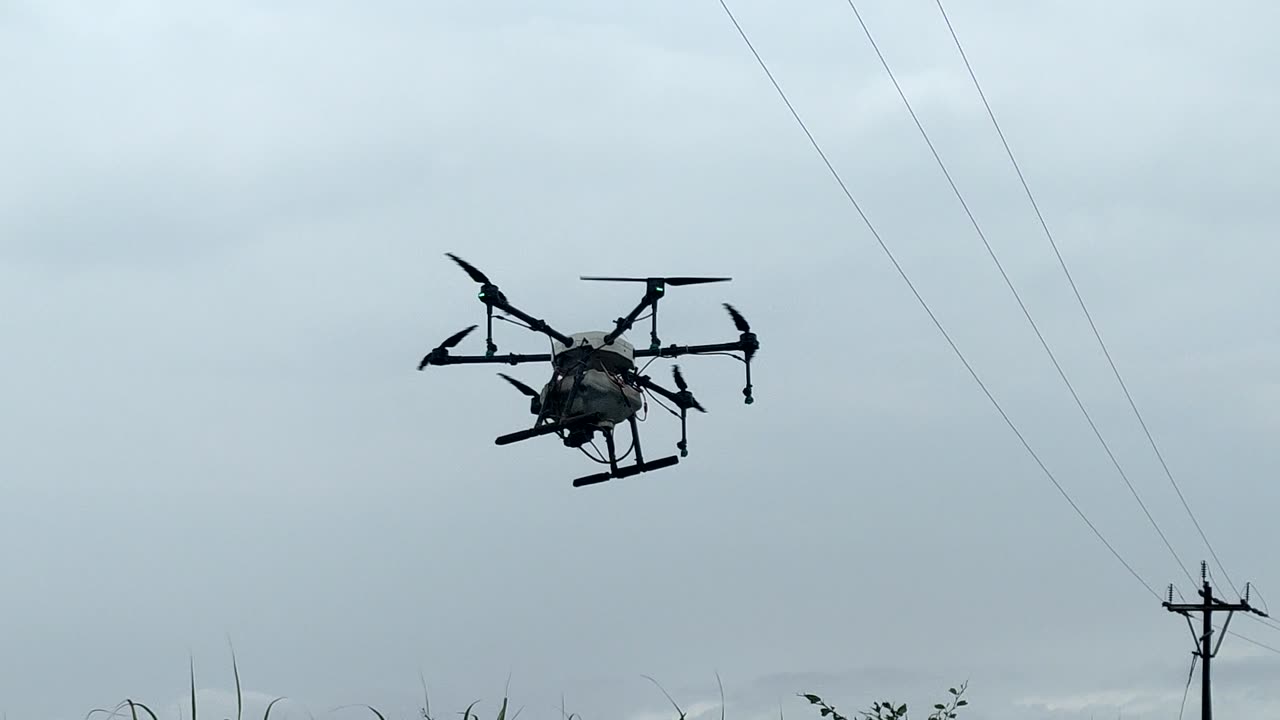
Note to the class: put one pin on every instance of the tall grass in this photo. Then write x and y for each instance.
(880, 710)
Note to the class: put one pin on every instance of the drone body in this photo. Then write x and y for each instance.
(594, 384)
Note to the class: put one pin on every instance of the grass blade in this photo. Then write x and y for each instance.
(721, 684)
(426, 697)
(144, 707)
(664, 692)
(193, 687)
(236, 670)
(368, 707)
(267, 715)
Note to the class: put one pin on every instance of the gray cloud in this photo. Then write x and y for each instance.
(221, 239)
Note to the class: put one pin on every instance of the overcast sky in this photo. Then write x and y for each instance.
(222, 229)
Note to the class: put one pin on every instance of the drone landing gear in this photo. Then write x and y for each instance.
(628, 471)
(640, 465)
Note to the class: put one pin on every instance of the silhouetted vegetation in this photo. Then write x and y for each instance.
(881, 710)
(885, 710)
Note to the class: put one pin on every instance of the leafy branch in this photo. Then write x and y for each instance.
(885, 710)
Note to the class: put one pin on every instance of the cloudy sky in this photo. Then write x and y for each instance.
(222, 229)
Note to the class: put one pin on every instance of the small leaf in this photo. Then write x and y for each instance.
(939, 706)
(826, 712)
(813, 699)
(953, 691)
(902, 709)
(962, 703)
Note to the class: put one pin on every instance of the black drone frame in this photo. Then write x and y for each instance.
(655, 289)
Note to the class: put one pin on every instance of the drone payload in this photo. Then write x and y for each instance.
(594, 384)
(602, 390)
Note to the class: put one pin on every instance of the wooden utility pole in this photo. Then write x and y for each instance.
(1206, 649)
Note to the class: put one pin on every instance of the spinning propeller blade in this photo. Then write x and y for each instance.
(679, 378)
(456, 338)
(520, 386)
(682, 280)
(443, 348)
(738, 321)
(470, 270)
(685, 398)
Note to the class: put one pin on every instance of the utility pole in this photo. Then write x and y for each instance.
(1206, 649)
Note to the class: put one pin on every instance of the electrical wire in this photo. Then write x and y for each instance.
(1079, 298)
(1265, 608)
(1187, 690)
(1265, 622)
(504, 318)
(1235, 634)
(925, 305)
(726, 354)
(941, 329)
(663, 405)
(598, 457)
(884, 62)
(1254, 588)
(627, 454)
(1251, 641)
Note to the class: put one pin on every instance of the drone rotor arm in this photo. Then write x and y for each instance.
(747, 345)
(673, 350)
(652, 294)
(535, 324)
(508, 359)
(648, 384)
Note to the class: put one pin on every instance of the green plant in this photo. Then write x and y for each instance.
(886, 710)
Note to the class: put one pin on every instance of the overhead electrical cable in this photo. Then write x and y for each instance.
(1080, 299)
(925, 305)
(941, 329)
(1014, 290)
(1235, 634)
(1187, 690)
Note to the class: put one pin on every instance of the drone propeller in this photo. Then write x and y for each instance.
(520, 386)
(738, 321)
(535, 399)
(674, 281)
(470, 270)
(443, 348)
(454, 339)
(679, 378)
(684, 398)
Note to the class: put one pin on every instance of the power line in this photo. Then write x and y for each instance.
(901, 272)
(1017, 296)
(924, 304)
(1267, 621)
(1080, 299)
(1233, 633)
(1187, 690)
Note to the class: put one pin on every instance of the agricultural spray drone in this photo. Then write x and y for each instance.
(594, 383)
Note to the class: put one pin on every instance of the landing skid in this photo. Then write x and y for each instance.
(639, 467)
(615, 472)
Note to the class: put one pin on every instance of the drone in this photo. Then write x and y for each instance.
(595, 385)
